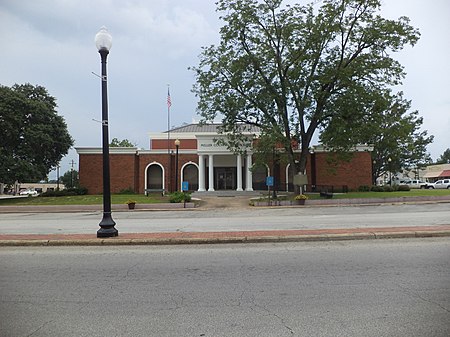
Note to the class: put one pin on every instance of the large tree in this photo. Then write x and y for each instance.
(33, 137)
(291, 70)
(394, 132)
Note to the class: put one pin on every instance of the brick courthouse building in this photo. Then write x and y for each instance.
(208, 166)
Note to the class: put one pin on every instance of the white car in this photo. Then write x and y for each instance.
(416, 183)
(28, 192)
(440, 184)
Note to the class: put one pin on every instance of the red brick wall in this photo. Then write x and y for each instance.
(161, 144)
(90, 172)
(121, 168)
(164, 160)
(128, 171)
(122, 172)
(353, 173)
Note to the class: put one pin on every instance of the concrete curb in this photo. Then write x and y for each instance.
(96, 208)
(225, 239)
(191, 206)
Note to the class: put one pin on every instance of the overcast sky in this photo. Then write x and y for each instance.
(51, 43)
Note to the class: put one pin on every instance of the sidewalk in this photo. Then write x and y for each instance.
(176, 238)
(214, 237)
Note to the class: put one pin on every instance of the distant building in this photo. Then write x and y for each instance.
(207, 166)
(38, 187)
(433, 173)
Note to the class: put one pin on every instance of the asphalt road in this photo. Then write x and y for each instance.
(358, 288)
(200, 220)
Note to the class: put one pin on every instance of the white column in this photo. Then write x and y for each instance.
(211, 172)
(249, 178)
(201, 173)
(239, 172)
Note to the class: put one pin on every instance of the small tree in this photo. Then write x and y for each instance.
(121, 143)
(70, 179)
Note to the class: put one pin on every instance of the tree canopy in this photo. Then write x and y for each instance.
(70, 179)
(34, 137)
(121, 143)
(293, 69)
(395, 134)
(444, 158)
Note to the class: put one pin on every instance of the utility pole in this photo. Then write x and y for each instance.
(72, 163)
(57, 177)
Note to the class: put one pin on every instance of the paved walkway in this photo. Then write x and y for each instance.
(212, 202)
(176, 238)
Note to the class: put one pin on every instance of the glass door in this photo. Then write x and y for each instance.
(225, 178)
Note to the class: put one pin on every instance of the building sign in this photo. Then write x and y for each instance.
(185, 186)
(209, 144)
(300, 179)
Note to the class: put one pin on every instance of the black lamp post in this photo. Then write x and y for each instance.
(103, 41)
(177, 146)
(313, 169)
(390, 171)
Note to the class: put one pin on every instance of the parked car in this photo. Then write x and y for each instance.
(28, 192)
(415, 183)
(440, 184)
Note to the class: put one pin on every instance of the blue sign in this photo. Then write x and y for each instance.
(185, 186)
(269, 181)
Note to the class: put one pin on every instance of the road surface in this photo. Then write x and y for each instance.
(360, 288)
(198, 220)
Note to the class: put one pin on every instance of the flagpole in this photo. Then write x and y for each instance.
(169, 157)
(169, 103)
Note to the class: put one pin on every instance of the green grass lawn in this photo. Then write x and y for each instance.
(365, 195)
(411, 193)
(157, 198)
(86, 200)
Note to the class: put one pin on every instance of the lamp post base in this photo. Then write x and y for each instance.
(107, 229)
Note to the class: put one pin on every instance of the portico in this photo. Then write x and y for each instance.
(224, 172)
(220, 169)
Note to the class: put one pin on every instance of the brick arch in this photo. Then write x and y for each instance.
(188, 176)
(154, 176)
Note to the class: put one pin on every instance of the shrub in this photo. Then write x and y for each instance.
(376, 188)
(403, 188)
(128, 190)
(177, 197)
(65, 193)
(301, 197)
(387, 188)
(364, 188)
(78, 190)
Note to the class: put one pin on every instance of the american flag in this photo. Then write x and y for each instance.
(169, 101)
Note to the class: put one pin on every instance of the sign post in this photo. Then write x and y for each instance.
(184, 188)
(269, 183)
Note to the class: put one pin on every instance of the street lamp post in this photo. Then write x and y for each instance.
(313, 169)
(57, 177)
(177, 146)
(390, 171)
(103, 41)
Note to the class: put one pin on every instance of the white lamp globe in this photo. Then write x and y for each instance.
(103, 40)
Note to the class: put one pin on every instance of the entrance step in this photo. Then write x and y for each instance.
(227, 193)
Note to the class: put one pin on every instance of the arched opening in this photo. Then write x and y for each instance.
(189, 173)
(155, 177)
(259, 178)
(289, 178)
